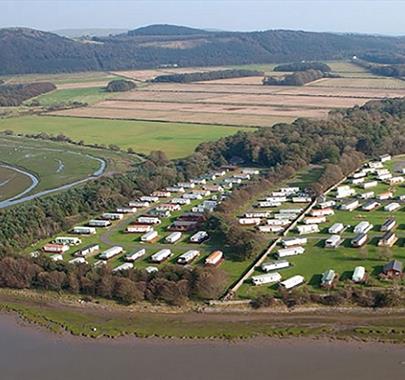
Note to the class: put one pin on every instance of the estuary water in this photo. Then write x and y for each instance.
(30, 353)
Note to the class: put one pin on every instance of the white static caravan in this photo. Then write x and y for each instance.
(314, 220)
(111, 252)
(290, 242)
(161, 256)
(55, 248)
(168, 206)
(362, 228)
(243, 177)
(199, 237)
(388, 225)
(369, 185)
(391, 207)
(285, 216)
(333, 241)
(250, 171)
(249, 221)
(290, 190)
(123, 267)
(67, 240)
(268, 278)
(186, 185)
(375, 165)
(149, 198)
(278, 222)
(265, 204)
(151, 269)
(148, 220)
(188, 257)
(328, 278)
(126, 210)
(385, 157)
(176, 189)
(135, 255)
(138, 204)
(307, 229)
(99, 223)
(173, 237)
(292, 282)
(149, 236)
(358, 181)
(384, 177)
(281, 199)
(292, 251)
(301, 199)
(199, 181)
(388, 239)
(99, 263)
(56, 257)
(81, 230)
(274, 265)
(359, 274)
(139, 228)
(112, 216)
(78, 260)
(192, 196)
(344, 191)
(370, 206)
(291, 211)
(322, 212)
(162, 194)
(278, 194)
(360, 174)
(336, 228)
(385, 196)
(88, 250)
(380, 172)
(327, 204)
(359, 240)
(367, 195)
(395, 180)
(180, 201)
(259, 214)
(274, 229)
(350, 205)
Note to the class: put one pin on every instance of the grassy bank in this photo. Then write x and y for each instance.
(67, 314)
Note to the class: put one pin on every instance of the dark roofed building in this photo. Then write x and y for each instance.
(393, 269)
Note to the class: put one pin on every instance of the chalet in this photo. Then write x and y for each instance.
(391, 207)
(336, 228)
(350, 205)
(183, 225)
(362, 228)
(327, 278)
(384, 196)
(359, 274)
(370, 206)
(388, 239)
(393, 269)
(274, 265)
(307, 229)
(334, 241)
(388, 225)
(359, 240)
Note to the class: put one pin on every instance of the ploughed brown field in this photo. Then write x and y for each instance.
(239, 101)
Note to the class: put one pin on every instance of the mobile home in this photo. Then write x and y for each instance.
(80, 230)
(199, 237)
(55, 248)
(336, 228)
(149, 236)
(249, 221)
(292, 282)
(391, 207)
(333, 241)
(350, 205)
(88, 250)
(161, 256)
(327, 278)
(188, 257)
(123, 267)
(111, 252)
(388, 225)
(173, 237)
(359, 240)
(148, 220)
(132, 256)
(112, 216)
(275, 265)
(290, 242)
(308, 229)
(292, 251)
(370, 206)
(362, 228)
(139, 228)
(67, 240)
(268, 278)
(359, 274)
(99, 223)
(215, 258)
(388, 239)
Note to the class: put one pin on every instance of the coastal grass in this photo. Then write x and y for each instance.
(175, 139)
(12, 183)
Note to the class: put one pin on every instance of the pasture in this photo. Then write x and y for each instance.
(175, 139)
(12, 183)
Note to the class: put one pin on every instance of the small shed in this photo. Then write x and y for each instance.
(393, 269)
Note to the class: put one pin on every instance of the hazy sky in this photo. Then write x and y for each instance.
(363, 16)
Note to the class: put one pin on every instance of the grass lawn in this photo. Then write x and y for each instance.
(175, 139)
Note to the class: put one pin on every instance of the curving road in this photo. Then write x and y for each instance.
(20, 198)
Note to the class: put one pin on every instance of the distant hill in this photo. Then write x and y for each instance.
(28, 51)
(92, 32)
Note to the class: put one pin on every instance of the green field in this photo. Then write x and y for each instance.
(83, 95)
(175, 139)
(12, 183)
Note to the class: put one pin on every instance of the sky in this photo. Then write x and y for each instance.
(357, 16)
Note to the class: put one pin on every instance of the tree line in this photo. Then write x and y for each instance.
(120, 85)
(15, 94)
(303, 66)
(298, 78)
(206, 75)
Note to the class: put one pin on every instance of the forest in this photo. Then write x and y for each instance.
(25, 50)
(395, 69)
(120, 85)
(303, 66)
(15, 94)
(295, 79)
(207, 75)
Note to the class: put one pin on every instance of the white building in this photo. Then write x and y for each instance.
(350, 205)
(370, 206)
(214, 258)
(391, 207)
(291, 251)
(111, 252)
(268, 278)
(314, 220)
(81, 230)
(67, 240)
(369, 185)
(333, 241)
(135, 255)
(123, 267)
(161, 255)
(359, 274)
(199, 237)
(322, 212)
(188, 257)
(149, 220)
(292, 282)
(308, 229)
(275, 265)
(173, 237)
(367, 195)
(273, 229)
(290, 242)
(336, 228)
(99, 223)
(249, 221)
(362, 228)
(149, 236)
(139, 228)
(112, 216)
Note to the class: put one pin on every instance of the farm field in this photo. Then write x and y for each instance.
(317, 259)
(12, 183)
(175, 139)
(240, 101)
